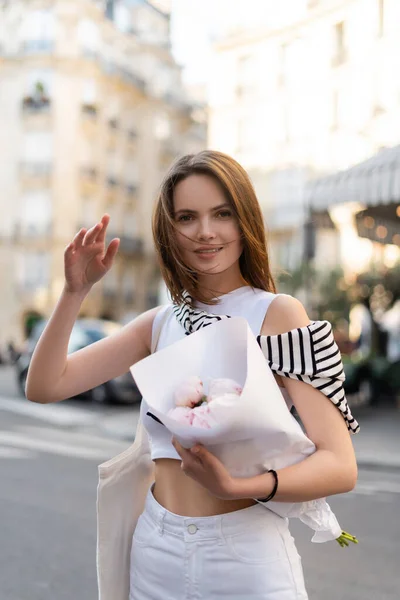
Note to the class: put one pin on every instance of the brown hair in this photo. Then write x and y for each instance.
(236, 184)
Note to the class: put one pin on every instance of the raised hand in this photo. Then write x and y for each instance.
(86, 259)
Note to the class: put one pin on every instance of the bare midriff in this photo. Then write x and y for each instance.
(182, 495)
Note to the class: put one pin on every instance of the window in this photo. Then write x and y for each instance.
(339, 56)
(35, 213)
(128, 285)
(33, 270)
(89, 214)
(37, 31)
(246, 75)
(335, 110)
(89, 37)
(381, 17)
(38, 147)
(162, 127)
(248, 134)
(43, 77)
(129, 226)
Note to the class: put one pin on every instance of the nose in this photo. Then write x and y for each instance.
(205, 231)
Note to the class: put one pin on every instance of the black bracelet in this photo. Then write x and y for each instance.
(272, 494)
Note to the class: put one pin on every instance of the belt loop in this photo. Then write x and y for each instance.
(161, 523)
(220, 529)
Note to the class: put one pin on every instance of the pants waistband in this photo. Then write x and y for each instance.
(218, 526)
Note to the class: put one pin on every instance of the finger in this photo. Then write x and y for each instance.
(77, 241)
(111, 253)
(102, 234)
(69, 249)
(91, 235)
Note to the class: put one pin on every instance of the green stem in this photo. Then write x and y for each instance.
(345, 538)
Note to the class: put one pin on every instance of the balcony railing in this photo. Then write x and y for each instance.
(36, 169)
(90, 109)
(127, 75)
(177, 102)
(110, 294)
(132, 135)
(130, 245)
(24, 232)
(33, 104)
(132, 189)
(38, 46)
(112, 182)
(89, 172)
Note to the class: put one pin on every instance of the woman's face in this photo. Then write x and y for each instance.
(208, 232)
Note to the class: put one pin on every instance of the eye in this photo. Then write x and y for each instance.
(184, 218)
(225, 214)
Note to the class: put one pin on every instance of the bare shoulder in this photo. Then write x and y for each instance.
(284, 313)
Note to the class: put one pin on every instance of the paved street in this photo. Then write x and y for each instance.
(48, 468)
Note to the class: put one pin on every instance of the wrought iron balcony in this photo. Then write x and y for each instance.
(38, 46)
(35, 104)
(132, 189)
(129, 245)
(90, 109)
(132, 134)
(89, 172)
(112, 182)
(36, 169)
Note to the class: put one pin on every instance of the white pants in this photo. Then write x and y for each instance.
(247, 554)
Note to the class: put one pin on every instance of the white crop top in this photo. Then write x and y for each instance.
(250, 303)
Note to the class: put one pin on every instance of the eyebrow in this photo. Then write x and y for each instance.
(194, 212)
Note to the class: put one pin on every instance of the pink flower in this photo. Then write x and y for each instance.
(219, 387)
(189, 392)
(202, 417)
(182, 414)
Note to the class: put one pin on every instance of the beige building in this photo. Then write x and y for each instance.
(92, 112)
(300, 89)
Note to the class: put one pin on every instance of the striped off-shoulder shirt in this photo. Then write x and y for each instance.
(309, 354)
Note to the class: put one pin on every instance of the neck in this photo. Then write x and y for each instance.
(217, 286)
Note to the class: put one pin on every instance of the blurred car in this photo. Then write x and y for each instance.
(121, 389)
(371, 379)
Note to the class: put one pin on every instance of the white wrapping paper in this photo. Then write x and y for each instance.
(257, 433)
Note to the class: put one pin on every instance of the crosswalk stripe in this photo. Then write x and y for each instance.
(16, 440)
(51, 413)
(16, 453)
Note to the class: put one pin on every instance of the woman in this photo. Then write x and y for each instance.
(202, 533)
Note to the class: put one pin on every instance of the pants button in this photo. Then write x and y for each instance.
(192, 528)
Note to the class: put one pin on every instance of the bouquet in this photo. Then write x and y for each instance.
(253, 422)
(196, 409)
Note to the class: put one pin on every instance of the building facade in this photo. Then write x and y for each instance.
(301, 89)
(92, 113)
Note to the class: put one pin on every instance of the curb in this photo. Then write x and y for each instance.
(375, 465)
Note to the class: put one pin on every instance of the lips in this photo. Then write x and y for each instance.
(206, 250)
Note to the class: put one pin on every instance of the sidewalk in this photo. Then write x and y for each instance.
(377, 445)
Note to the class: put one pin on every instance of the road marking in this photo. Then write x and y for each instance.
(51, 413)
(16, 440)
(16, 453)
(376, 487)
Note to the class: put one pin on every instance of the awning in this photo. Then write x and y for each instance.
(374, 182)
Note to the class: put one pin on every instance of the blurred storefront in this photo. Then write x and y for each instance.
(362, 204)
